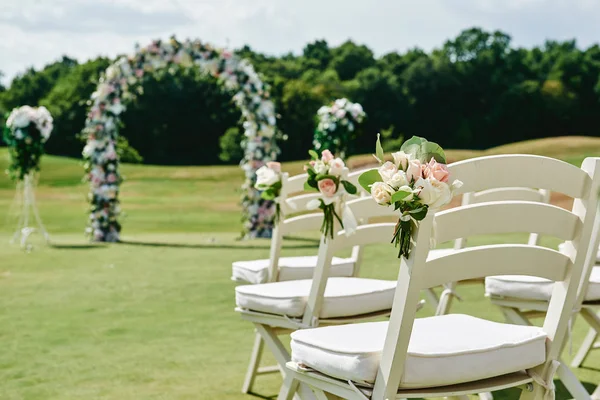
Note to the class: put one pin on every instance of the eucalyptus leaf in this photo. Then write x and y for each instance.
(350, 188)
(399, 196)
(313, 154)
(367, 178)
(379, 149)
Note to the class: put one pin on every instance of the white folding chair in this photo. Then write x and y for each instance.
(281, 307)
(444, 302)
(457, 355)
(293, 201)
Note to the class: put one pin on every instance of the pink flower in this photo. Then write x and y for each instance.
(436, 170)
(111, 178)
(413, 171)
(326, 156)
(274, 165)
(139, 73)
(327, 187)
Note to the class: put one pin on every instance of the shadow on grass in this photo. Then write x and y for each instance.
(78, 246)
(213, 245)
(260, 396)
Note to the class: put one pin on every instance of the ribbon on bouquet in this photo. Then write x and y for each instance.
(348, 219)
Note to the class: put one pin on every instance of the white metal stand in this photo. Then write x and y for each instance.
(25, 200)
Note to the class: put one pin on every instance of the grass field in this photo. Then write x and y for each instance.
(153, 318)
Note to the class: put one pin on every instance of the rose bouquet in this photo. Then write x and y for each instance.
(325, 176)
(335, 125)
(268, 181)
(415, 182)
(25, 133)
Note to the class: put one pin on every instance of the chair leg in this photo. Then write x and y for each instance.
(514, 316)
(572, 383)
(532, 391)
(289, 388)
(432, 298)
(446, 299)
(585, 348)
(255, 357)
(282, 356)
(486, 396)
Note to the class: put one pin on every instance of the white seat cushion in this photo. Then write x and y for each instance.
(290, 269)
(443, 350)
(561, 248)
(343, 297)
(535, 288)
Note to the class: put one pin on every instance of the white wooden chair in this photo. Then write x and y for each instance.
(277, 308)
(444, 302)
(276, 268)
(457, 355)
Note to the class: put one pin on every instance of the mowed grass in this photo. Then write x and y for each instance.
(153, 318)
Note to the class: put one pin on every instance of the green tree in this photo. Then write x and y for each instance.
(349, 59)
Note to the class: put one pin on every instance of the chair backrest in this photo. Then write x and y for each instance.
(504, 194)
(293, 200)
(578, 227)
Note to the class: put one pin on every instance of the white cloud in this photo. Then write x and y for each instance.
(36, 32)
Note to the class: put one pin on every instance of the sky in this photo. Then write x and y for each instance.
(37, 32)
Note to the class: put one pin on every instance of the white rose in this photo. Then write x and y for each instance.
(320, 167)
(88, 150)
(112, 72)
(340, 113)
(401, 159)
(407, 188)
(381, 192)
(19, 134)
(336, 166)
(265, 176)
(398, 179)
(387, 170)
(19, 118)
(433, 192)
(357, 111)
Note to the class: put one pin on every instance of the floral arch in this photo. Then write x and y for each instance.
(123, 80)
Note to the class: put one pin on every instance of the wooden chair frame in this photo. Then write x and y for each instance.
(418, 272)
(292, 201)
(270, 326)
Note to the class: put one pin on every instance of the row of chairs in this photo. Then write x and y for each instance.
(323, 301)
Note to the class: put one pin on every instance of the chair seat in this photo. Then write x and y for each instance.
(344, 297)
(443, 350)
(290, 268)
(535, 288)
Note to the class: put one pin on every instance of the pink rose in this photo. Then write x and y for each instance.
(326, 156)
(413, 171)
(327, 187)
(274, 165)
(436, 170)
(111, 178)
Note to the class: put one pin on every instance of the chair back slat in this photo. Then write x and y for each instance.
(302, 223)
(519, 170)
(364, 235)
(296, 204)
(499, 259)
(568, 269)
(511, 193)
(505, 217)
(365, 207)
(295, 184)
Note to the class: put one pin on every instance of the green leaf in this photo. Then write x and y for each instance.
(399, 196)
(424, 150)
(310, 185)
(367, 178)
(378, 149)
(350, 188)
(311, 172)
(313, 154)
(419, 213)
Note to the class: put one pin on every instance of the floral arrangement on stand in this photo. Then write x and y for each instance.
(414, 183)
(268, 181)
(325, 176)
(123, 80)
(335, 125)
(26, 130)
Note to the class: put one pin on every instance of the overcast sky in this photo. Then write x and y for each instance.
(36, 32)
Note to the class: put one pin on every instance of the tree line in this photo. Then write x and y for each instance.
(475, 91)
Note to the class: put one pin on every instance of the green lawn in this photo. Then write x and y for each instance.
(152, 318)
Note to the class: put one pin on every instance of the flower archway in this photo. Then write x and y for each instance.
(123, 80)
